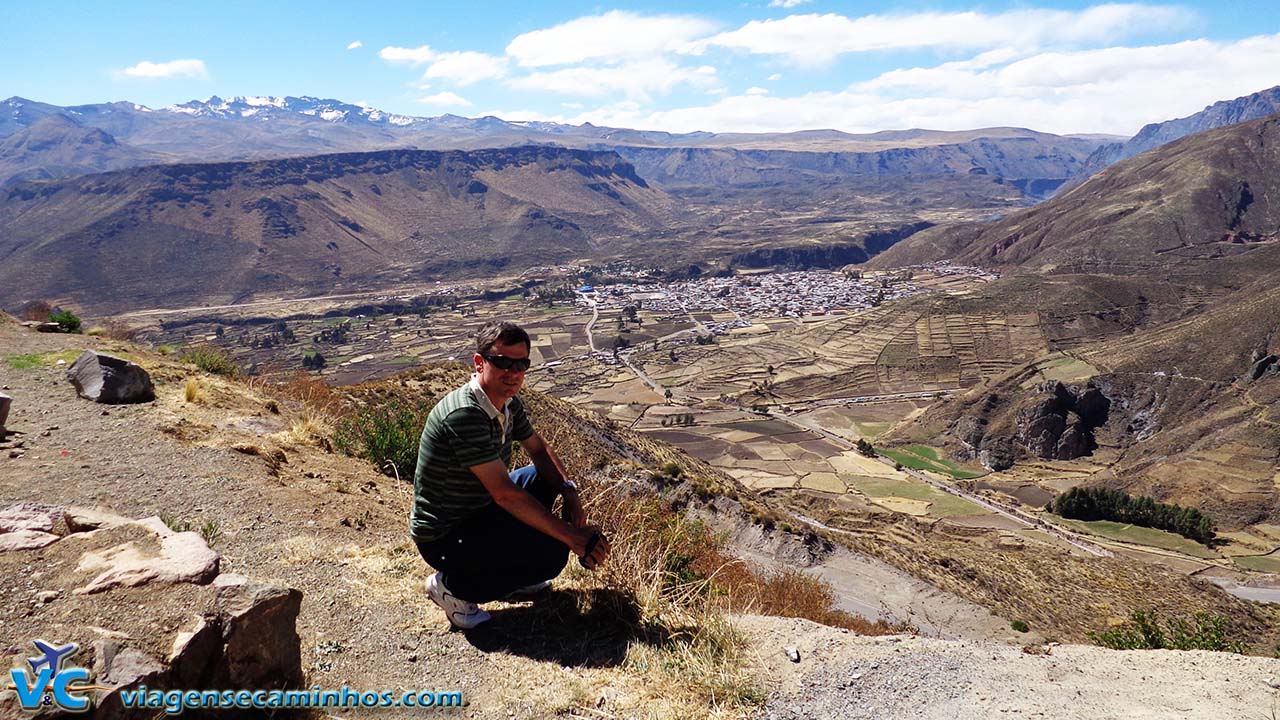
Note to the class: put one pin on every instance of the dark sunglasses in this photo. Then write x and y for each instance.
(502, 362)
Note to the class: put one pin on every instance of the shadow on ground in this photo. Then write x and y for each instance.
(580, 629)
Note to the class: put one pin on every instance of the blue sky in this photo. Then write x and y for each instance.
(767, 65)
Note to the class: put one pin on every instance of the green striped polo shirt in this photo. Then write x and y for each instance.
(463, 430)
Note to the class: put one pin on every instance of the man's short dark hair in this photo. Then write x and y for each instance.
(507, 333)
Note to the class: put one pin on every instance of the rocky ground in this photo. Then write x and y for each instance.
(282, 510)
(840, 675)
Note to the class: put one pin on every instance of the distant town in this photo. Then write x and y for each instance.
(770, 295)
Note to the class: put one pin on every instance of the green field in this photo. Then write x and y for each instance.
(35, 360)
(1140, 536)
(1261, 563)
(871, 429)
(941, 504)
(919, 457)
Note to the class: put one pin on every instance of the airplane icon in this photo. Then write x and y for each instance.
(53, 656)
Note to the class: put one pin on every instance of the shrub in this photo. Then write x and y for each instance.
(671, 470)
(1020, 626)
(313, 360)
(385, 434)
(211, 360)
(67, 321)
(1146, 630)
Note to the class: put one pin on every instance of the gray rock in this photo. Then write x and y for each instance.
(25, 540)
(44, 327)
(85, 519)
(793, 653)
(261, 643)
(109, 379)
(1259, 367)
(30, 516)
(5, 403)
(184, 557)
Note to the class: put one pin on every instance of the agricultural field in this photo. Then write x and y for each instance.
(919, 457)
(1140, 536)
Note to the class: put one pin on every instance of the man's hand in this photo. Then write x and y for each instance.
(572, 511)
(582, 539)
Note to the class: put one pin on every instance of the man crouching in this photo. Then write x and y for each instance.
(490, 534)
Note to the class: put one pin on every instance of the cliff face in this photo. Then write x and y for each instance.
(1036, 162)
(189, 233)
(826, 256)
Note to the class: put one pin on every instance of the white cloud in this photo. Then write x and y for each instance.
(1115, 90)
(446, 99)
(774, 77)
(637, 80)
(757, 91)
(465, 68)
(355, 44)
(173, 68)
(613, 36)
(818, 39)
(787, 3)
(407, 56)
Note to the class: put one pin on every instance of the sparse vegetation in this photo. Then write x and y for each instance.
(211, 360)
(1147, 630)
(191, 391)
(386, 434)
(209, 530)
(1020, 626)
(24, 362)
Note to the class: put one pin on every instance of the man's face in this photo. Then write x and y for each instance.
(496, 382)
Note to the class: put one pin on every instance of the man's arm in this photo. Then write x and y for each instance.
(550, 468)
(526, 508)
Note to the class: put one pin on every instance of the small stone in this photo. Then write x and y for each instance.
(47, 596)
(1273, 683)
(793, 653)
(856, 676)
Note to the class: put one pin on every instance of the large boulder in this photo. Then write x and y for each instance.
(109, 379)
(144, 578)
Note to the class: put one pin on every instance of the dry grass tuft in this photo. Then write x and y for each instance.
(192, 392)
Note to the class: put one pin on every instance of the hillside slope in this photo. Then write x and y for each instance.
(1152, 136)
(58, 147)
(289, 512)
(136, 238)
(1205, 205)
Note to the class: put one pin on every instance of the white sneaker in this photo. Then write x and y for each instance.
(462, 614)
(529, 590)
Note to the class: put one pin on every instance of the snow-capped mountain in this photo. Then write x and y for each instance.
(266, 107)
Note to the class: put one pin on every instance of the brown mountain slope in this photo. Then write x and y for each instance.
(1181, 209)
(182, 234)
(1190, 412)
(58, 147)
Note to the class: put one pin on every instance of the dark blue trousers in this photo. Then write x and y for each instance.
(492, 553)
